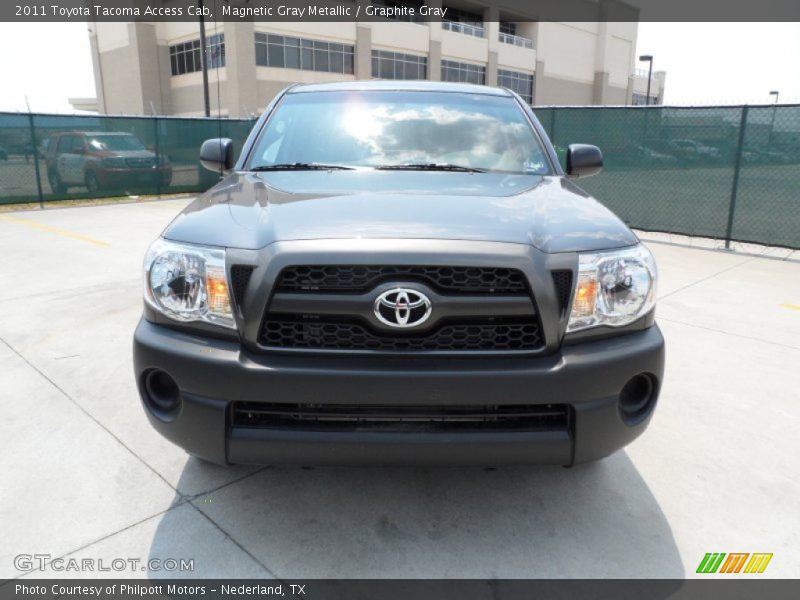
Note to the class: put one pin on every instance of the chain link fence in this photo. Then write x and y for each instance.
(58, 157)
(729, 173)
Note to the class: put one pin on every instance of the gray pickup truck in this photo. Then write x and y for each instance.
(398, 273)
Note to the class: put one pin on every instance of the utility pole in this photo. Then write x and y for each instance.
(648, 58)
(204, 59)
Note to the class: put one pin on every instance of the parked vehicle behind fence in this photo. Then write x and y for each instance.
(103, 160)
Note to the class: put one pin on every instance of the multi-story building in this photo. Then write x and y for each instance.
(145, 68)
(640, 78)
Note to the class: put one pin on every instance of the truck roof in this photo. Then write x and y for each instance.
(393, 85)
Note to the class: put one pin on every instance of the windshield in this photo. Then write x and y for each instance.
(115, 142)
(389, 129)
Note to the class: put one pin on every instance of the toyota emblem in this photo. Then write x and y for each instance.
(402, 308)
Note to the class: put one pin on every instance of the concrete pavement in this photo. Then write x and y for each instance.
(86, 477)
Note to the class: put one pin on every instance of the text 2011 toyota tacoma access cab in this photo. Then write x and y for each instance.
(398, 273)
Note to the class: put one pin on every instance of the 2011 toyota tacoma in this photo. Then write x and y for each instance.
(398, 273)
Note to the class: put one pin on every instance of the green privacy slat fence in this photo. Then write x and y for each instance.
(38, 161)
(723, 172)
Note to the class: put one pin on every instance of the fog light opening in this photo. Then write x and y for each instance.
(163, 393)
(637, 397)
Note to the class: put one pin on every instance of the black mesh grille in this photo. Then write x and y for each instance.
(410, 418)
(355, 278)
(485, 335)
(563, 282)
(240, 277)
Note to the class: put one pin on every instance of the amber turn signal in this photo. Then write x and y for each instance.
(585, 296)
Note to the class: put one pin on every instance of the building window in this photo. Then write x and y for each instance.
(287, 52)
(462, 21)
(396, 10)
(641, 99)
(186, 57)
(508, 27)
(463, 72)
(521, 83)
(215, 45)
(394, 65)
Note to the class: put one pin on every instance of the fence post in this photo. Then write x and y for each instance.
(736, 169)
(553, 125)
(35, 153)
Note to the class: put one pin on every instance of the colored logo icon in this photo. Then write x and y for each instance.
(736, 562)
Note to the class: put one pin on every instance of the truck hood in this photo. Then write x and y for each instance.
(129, 153)
(253, 210)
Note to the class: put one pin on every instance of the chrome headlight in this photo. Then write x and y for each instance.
(188, 283)
(614, 288)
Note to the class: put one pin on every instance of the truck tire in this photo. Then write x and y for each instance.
(56, 184)
(91, 183)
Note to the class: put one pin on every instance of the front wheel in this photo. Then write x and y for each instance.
(91, 182)
(56, 184)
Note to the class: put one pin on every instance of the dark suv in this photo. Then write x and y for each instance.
(103, 160)
(398, 273)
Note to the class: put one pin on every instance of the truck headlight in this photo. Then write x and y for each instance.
(614, 288)
(188, 283)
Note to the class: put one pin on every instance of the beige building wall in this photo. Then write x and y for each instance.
(585, 63)
(131, 68)
(401, 37)
(573, 63)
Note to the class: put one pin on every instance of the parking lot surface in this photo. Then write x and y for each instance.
(85, 476)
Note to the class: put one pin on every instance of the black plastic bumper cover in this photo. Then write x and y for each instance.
(213, 373)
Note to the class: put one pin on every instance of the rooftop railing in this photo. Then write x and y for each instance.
(466, 29)
(515, 40)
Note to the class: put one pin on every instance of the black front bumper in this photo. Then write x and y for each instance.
(212, 374)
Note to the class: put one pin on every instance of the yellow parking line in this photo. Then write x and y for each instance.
(56, 230)
(791, 306)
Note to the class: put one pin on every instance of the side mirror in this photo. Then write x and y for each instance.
(583, 160)
(216, 154)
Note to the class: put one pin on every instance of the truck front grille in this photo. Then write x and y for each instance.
(562, 280)
(351, 417)
(140, 163)
(332, 308)
(240, 277)
(325, 333)
(359, 278)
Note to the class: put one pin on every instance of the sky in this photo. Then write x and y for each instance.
(47, 62)
(724, 63)
(706, 63)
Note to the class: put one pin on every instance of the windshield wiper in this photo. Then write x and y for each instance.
(301, 166)
(431, 167)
